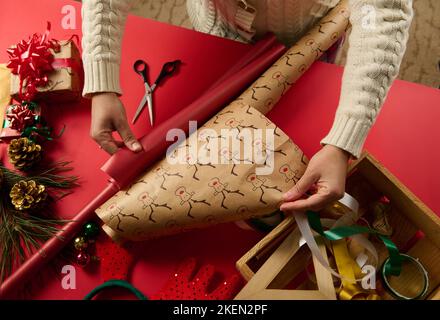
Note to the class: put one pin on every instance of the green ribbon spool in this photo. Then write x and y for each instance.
(114, 284)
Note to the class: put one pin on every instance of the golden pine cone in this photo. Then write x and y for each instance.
(24, 153)
(27, 194)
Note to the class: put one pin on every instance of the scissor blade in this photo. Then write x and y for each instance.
(141, 107)
(150, 108)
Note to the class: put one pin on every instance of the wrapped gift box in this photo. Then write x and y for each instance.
(409, 217)
(7, 133)
(65, 82)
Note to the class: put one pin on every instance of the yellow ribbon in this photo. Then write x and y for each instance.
(350, 271)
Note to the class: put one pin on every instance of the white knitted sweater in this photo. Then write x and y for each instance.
(373, 60)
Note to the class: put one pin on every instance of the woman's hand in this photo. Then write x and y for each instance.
(108, 115)
(325, 174)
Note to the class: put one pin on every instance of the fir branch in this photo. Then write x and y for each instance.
(23, 233)
(49, 177)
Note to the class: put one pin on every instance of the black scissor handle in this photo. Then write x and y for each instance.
(141, 68)
(167, 70)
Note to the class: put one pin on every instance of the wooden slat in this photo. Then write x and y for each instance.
(265, 244)
(273, 266)
(323, 276)
(257, 286)
(292, 269)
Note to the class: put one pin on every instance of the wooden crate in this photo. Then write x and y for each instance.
(410, 217)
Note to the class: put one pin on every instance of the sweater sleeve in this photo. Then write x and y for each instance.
(103, 23)
(377, 44)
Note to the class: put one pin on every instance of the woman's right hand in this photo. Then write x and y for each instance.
(108, 115)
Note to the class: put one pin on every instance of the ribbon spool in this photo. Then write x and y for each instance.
(395, 289)
(116, 284)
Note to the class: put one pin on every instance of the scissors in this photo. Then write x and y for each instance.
(141, 68)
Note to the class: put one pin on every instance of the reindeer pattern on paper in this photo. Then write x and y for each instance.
(172, 198)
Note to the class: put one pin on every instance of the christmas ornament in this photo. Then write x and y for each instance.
(82, 258)
(80, 243)
(20, 117)
(380, 210)
(84, 244)
(23, 153)
(27, 195)
(91, 229)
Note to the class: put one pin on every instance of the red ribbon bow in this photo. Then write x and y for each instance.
(32, 60)
(20, 117)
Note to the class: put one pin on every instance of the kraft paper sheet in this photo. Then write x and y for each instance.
(171, 198)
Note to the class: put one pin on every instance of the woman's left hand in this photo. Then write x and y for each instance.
(325, 174)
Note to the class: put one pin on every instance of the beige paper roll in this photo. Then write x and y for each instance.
(172, 198)
(5, 97)
(271, 86)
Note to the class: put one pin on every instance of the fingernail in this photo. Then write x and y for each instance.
(288, 195)
(136, 146)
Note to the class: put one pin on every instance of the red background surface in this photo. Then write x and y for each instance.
(405, 137)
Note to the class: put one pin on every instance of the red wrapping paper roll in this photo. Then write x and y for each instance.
(260, 47)
(124, 166)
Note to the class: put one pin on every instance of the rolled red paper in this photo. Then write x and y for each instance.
(124, 166)
(260, 47)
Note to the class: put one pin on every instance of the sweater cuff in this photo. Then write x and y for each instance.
(348, 134)
(101, 76)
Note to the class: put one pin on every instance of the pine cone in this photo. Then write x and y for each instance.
(24, 153)
(27, 194)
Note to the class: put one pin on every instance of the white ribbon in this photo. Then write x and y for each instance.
(347, 219)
